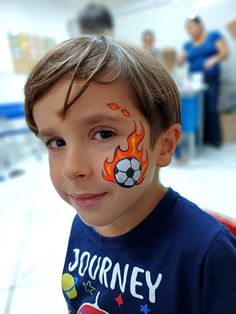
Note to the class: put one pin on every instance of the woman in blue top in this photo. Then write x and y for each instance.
(204, 53)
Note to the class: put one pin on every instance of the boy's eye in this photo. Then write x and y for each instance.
(104, 134)
(55, 143)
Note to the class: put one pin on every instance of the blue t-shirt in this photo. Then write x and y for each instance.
(197, 55)
(179, 260)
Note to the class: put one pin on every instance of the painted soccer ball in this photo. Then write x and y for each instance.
(127, 172)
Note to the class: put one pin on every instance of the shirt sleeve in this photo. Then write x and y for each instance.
(219, 276)
(215, 36)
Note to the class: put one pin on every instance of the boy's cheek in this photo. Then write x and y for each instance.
(55, 182)
(59, 187)
(56, 177)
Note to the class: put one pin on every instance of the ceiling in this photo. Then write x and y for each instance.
(77, 3)
(81, 3)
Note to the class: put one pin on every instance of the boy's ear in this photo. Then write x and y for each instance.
(167, 143)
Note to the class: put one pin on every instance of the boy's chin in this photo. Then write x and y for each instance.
(94, 222)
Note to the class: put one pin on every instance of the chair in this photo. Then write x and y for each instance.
(225, 220)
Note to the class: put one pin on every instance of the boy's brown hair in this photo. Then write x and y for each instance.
(103, 60)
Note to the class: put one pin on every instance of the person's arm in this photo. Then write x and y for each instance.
(218, 288)
(182, 58)
(222, 54)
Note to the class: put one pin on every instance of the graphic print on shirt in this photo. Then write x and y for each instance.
(88, 308)
(127, 167)
(88, 287)
(68, 285)
(116, 283)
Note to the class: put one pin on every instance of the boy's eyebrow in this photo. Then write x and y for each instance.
(46, 133)
(89, 120)
(95, 118)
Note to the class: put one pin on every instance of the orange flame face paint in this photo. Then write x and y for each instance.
(113, 106)
(128, 167)
(125, 113)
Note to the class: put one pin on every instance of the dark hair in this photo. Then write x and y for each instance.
(148, 32)
(196, 19)
(104, 60)
(95, 19)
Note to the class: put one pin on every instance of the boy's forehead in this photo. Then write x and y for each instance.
(92, 105)
(95, 96)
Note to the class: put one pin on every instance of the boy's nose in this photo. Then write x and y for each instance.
(76, 164)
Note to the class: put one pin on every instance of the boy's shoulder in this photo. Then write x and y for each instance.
(187, 211)
(191, 234)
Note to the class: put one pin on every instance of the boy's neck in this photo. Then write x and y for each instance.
(131, 219)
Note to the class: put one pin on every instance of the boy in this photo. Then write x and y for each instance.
(110, 117)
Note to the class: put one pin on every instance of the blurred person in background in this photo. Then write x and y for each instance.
(231, 26)
(169, 60)
(96, 19)
(148, 42)
(204, 52)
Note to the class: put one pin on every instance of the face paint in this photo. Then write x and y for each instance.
(114, 106)
(127, 167)
(125, 113)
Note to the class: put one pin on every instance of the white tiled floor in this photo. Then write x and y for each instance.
(35, 223)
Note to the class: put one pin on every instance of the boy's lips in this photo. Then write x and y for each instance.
(86, 199)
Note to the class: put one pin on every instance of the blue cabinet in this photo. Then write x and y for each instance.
(192, 118)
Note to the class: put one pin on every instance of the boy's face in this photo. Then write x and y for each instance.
(100, 157)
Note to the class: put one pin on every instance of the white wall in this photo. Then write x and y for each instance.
(32, 17)
(39, 18)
